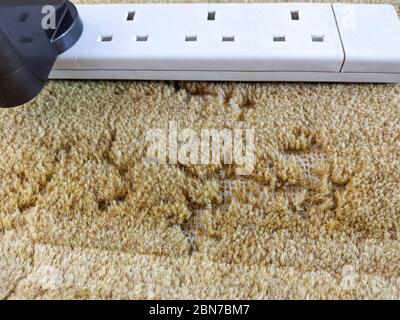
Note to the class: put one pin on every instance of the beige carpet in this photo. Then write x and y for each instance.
(83, 216)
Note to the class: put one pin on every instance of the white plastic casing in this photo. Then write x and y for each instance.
(369, 37)
(251, 42)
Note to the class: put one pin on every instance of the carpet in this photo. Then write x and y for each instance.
(84, 216)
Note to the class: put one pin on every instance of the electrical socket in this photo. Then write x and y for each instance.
(271, 41)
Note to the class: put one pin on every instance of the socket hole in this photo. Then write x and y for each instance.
(105, 38)
(130, 16)
(23, 17)
(26, 40)
(211, 15)
(295, 15)
(191, 38)
(228, 38)
(142, 38)
(279, 38)
(317, 38)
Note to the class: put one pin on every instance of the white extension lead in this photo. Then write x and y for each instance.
(246, 42)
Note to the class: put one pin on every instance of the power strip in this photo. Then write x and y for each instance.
(246, 42)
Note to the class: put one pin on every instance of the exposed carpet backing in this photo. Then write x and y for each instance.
(83, 216)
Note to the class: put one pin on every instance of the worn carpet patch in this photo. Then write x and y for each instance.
(83, 215)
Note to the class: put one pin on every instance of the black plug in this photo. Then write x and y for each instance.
(32, 34)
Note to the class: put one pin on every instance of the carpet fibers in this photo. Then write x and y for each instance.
(83, 216)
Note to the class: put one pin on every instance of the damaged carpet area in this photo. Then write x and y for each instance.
(82, 215)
